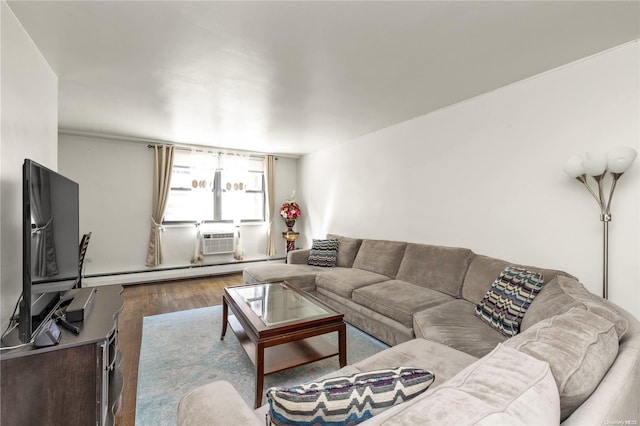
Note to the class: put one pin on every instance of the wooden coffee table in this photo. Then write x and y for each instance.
(281, 327)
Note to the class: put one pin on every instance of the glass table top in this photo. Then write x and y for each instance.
(275, 304)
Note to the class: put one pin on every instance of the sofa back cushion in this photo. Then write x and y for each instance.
(484, 270)
(379, 256)
(563, 293)
(347, 249)
(435, 267)
(506, 387)
(578, 345)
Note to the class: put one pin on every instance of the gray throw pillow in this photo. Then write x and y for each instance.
(578, 345)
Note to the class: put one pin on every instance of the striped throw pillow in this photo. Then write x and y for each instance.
(346, 400)
(508, 299)
(323, 253)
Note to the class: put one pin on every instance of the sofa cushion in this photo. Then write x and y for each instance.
(455, 324)
(398, 300)
(508, 299)
(483, 271)
(443, 361)
(323, 253)
(578, 345)
(300, 276)
(506, 387)
(347, 399)
(210, 404)
(342, 281)
(381, 257)
(347, 249)
(435, 267)
(563, 293)
(380, 326)
(298, 257)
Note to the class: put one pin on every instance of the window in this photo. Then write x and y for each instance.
(215, 187)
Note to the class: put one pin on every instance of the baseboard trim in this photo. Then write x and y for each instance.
(170, 273)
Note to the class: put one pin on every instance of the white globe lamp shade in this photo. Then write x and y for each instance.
(619, 159)
(595, 164)
(573, 167)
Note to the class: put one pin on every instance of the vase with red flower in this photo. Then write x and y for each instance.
(290, 211)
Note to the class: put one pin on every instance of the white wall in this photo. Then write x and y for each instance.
(115, 179)
(29, 107)
(487, 174)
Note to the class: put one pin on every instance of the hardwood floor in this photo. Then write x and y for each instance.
(151, 299)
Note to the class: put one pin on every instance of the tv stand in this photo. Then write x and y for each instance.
(76, 382)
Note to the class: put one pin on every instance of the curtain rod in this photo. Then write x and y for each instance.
(154, 142)
(213, 150)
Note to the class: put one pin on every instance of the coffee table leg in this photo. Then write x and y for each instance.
(342, 344)
(259, 373)
(225, 312)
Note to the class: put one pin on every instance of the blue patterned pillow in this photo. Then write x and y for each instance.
(508, 299)
(323, 253)
(345, 400)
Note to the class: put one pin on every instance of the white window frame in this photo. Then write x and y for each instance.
(202, 183)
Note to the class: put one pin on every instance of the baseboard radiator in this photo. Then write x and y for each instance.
(174, 272)
(217, 242)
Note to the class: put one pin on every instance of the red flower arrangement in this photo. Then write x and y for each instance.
(290, 210)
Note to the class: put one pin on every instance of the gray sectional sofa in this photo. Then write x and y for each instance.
(575, 360)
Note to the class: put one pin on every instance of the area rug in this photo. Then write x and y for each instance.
(182, 350)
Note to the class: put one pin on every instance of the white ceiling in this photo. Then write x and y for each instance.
(293, 77)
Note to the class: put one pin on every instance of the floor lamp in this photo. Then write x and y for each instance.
(615, 162)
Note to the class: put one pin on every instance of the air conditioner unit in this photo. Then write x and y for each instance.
(217, 242)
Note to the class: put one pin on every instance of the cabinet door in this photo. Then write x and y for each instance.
(56, 387)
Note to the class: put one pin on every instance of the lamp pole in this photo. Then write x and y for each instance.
(605, 257)
(615, 162)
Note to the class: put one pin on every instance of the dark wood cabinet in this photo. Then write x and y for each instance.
(76, 382)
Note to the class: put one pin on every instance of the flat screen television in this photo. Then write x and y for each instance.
(50, 254)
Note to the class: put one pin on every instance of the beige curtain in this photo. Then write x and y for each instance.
(163, 164)
(269, 171)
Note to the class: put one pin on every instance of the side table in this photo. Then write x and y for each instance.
(291, 238)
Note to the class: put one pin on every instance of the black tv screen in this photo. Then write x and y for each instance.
(50, 252)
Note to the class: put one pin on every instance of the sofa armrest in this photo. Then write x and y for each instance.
(298, 257)
(215, 403)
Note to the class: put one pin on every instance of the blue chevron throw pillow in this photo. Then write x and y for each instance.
(508, 299)
(346, 400)
(323, 253)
